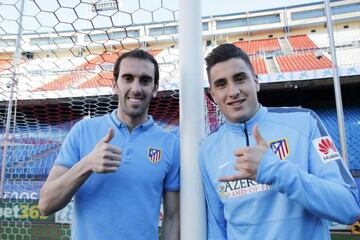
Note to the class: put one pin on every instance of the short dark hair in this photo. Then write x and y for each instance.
(225, 52)
(139, 54)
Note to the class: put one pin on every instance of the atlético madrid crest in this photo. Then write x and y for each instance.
(280, 148)
(154, 155)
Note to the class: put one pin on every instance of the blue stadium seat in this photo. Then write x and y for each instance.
(352, 128)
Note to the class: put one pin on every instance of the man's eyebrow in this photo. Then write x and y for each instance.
(131, 75)
(146, 76)
(240, 74)
(126, 75)
(218, 80)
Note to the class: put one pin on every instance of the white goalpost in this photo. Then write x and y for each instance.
(192, 121)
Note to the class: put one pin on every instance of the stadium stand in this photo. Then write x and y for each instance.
(60, 83)
(5, 64)
(301, 42)
(90, 65)
(352, 126)
(253, 47)
(104, 79)
(347, 57)
(92, 74)
(52, 64)
(320, 39)
(64, 71)
(259, 65)
(302, 62)
(32, 149)
(101, 60)
(25, 160)
(349, 37)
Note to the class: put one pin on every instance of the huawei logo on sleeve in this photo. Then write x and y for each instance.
(326, 149)
(326, 146)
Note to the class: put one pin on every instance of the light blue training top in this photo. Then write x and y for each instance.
(301, 180)
(124, 204)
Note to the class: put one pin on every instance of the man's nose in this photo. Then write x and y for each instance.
(135, 87)
(233, 90)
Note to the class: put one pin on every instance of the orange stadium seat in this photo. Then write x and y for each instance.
(101, 59)
(103, 79)
(301, 42)
(60, 83)
(255, 46)
(302, 62)
(259, 65)
(5, 64)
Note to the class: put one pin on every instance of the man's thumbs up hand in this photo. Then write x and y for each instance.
(108, 136)
(260, 141)
(105, 157)
(247, 159)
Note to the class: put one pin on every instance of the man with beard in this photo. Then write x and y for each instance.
(119, 166)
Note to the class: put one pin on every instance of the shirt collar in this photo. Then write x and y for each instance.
(258, 117)
(144, 126)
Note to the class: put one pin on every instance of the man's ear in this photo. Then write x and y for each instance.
(257, 83)
(211, 96)
(114, 86)
(155, 91)
(208, 95)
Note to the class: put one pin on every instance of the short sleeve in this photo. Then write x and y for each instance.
(172, 180)
(69, 153)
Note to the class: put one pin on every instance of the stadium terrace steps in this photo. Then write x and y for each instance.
(257, 46)
(271, 65)
(302, 62)
(285, 45)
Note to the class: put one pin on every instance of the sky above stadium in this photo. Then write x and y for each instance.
(216, 7)
(70, 15)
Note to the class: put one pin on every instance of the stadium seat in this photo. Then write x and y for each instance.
(348, 57)
(302, 62)
(352, 118)
(5, 64)
(259, 65)
(341, 38)
(104, 79)
(253, 47)
(301, 42)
